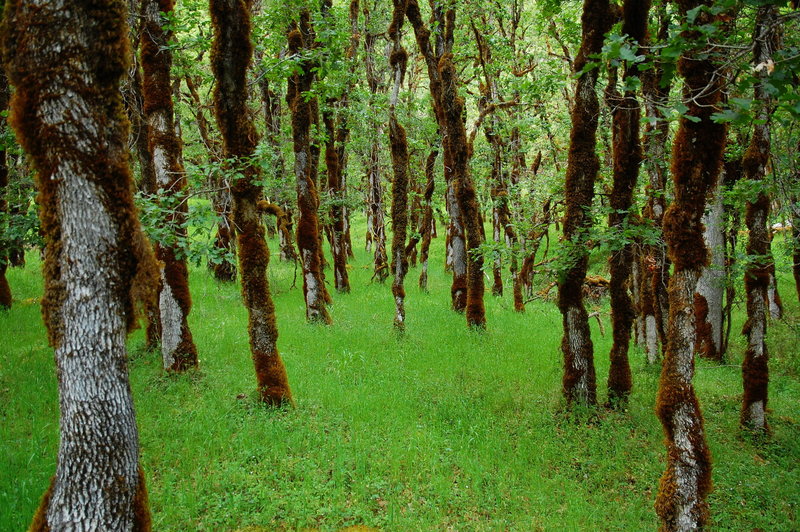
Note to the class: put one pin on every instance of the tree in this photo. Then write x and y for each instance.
(696, 163)
(5, 289)
(755, 372)
(230, 57)
(627, 159)
(399, 148)
(301, 40)
(66, 65)
(177, 346)
(582, 167)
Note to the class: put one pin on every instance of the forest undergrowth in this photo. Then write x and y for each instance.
(437, 429)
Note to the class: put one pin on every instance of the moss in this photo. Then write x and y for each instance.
(141, 506)
(39, 522)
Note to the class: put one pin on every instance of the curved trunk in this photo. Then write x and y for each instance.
(761, 267)
(177, 346)
(67, 60)
(308, 236)
(579, 383)
(333, 162)
(681, 500)
(230, 56)
(627, 158)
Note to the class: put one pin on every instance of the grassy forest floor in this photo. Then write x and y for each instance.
(440, 429)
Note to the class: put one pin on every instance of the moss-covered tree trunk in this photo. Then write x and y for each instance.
(5, 289)
(426, 225)
(230, 56)
(796, 239)
(627, 157)
(653, 263)
(177, 346)
(303, 110)
(579, 384)
(755, 370)
(399, 148)
(66, 61)
(696, 162)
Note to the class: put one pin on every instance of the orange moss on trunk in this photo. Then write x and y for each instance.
(301, 38)
(681, 500)
(426, 226)
(579, 383)
(5, 289)
(230, 56)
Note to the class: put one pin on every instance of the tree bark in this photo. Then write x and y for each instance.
(708, 299)
(301, 40)
(627, 158)
(579, 383)
(696, 162)
(5, 289)
(177, 346)
(760, 270)
(66, 62)
(230, 56)
(426, 225)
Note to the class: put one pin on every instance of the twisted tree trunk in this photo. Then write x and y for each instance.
(230, 56)
(696, 162)
(177, 346)
(579, 383)
(66, 61)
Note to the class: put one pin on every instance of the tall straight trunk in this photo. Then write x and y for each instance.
(796, 242)
(5, 289)
(177, 346)
(708, 299)
(230, 56)
(653, 263)
(66, 61)
(755, 370)
(426, 225)
(627, 159)
(399, 148)
(696, 163)
(301, 39)
(579, 383)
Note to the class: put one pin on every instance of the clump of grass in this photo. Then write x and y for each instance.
(435, 429)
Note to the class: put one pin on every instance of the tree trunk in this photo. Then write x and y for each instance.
(760, 270)
(66, 62)
(177, 346)
(627, 159)
(710, 292)
(333, 163)
(653, 263)
(582, 167)
(796, 243)
(230, 56)
(696, 161)
(5, 289)
(301, 39)
(426, 226)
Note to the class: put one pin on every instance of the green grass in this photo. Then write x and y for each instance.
(440, 429)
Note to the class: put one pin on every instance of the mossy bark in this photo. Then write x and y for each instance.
(710, 290)
(399, 149)
(177, 346)
(426, 225)
(696, 162)
(627, 157)
(5, 289)
(653, 263)
(579, 384)
(230, 56)
(755, 370)
(66, 61)
(301, 38)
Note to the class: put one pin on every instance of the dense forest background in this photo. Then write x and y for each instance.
(395, 158)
